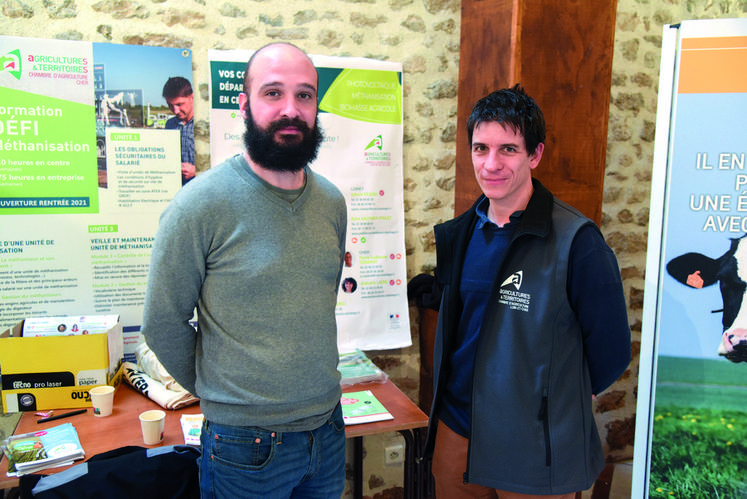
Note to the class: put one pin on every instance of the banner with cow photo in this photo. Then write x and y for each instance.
(692, 398)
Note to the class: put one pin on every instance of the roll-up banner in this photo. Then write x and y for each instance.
(86, 167)
(691, 422)
(360, 112)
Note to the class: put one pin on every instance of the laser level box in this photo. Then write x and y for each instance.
(56, 372)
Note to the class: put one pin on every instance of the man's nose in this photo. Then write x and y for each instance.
(493, 161)
(290, 107)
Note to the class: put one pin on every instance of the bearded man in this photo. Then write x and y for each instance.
(256, 245)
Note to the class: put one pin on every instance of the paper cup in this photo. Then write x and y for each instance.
(102, 399)
(151, 422)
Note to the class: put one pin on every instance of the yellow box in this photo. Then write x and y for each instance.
(56, 372)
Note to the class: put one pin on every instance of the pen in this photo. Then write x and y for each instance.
(60, 416)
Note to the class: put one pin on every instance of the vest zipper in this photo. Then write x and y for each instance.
(545, 418)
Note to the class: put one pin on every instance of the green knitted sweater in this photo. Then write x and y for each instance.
(263, 274)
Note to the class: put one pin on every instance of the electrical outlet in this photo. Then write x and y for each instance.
(395, 454)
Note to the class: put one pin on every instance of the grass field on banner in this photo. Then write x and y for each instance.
(699, 444)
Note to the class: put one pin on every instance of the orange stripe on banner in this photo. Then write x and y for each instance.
(713, 65)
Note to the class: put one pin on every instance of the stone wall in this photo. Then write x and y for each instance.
(424, 36)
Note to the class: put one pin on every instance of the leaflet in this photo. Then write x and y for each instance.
(362, 407)
(31, 452)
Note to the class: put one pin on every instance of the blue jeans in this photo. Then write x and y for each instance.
(249, 462)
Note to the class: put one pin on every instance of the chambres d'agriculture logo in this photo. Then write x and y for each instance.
(57, 67)
(510, 293)
(11, 63)
(374, 155)
(377, 142)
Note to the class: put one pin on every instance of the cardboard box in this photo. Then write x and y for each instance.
(56, 372)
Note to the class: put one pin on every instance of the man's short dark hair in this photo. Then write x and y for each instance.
(177, 86)
(512, 107)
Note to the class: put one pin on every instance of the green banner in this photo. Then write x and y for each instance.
(226, 83)
(47, 158)
(365, 95)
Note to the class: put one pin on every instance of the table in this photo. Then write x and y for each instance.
(408, 420)
(122, 428)
(99, 435)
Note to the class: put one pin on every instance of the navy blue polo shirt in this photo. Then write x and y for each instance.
(484, 253)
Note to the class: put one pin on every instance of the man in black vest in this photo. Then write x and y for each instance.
(532, 324)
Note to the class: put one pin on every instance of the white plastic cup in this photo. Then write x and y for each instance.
(151, 423)
(102, 399)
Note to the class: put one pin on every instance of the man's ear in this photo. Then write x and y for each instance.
(536, 156)
(243, 102)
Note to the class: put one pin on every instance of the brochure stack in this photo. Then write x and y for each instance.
(31, 452)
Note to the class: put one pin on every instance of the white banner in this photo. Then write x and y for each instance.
(361, 115)
(691, 413)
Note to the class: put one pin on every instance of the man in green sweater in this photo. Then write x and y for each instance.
(257, 245)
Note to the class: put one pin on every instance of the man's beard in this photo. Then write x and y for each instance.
(281, 156)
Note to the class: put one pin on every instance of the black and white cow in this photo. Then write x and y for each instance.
(730, 271)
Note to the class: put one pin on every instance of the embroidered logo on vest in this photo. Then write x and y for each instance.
(514, 279)
(510, 295)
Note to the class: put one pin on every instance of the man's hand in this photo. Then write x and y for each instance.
(188, 171)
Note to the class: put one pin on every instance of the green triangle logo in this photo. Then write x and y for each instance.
(378, 143)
